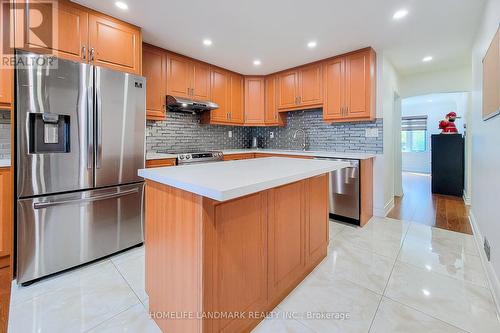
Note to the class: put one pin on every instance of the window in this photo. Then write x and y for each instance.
(414, 134)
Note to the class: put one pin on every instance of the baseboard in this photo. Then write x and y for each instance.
(382, 212)
(491, 275)
(466, 198)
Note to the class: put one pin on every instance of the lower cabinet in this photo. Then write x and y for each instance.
(161, 163)
(233, 157)
(238, 256)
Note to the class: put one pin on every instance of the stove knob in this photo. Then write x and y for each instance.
(181, 157)
(188, 157)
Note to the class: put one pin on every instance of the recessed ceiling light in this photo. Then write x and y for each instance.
(207, 42)
(256, 62)
(121, 5)
(312, 44)
(427, 59)
(400, 14)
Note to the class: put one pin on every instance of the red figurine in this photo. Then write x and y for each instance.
(447, 126)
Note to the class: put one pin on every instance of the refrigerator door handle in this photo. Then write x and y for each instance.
(42, 205)
(90, 126)
(99, 118)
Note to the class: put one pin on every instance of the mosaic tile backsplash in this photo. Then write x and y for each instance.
(183, 131)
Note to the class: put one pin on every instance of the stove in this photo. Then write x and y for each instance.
(197, 156)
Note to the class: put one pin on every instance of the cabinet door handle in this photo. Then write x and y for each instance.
(92, 51)
(84, 52)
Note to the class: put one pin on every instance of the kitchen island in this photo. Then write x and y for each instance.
(227, 241)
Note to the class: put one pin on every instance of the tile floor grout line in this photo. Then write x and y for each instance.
(427, 314)
(388, 279)
(126, 281)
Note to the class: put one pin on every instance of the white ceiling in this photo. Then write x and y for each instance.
(277, 31)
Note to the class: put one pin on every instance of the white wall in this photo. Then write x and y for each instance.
(387, 85)
(449, 80)
(435, 107)
(486, 150)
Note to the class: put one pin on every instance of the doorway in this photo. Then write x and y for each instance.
(420, 116)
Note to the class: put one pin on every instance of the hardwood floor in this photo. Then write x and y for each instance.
(419, 205)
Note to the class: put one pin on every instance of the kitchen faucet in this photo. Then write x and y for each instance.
(304, 137)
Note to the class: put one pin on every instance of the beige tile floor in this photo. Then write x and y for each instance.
(391, 276)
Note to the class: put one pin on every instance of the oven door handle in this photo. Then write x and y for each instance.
(42, 205)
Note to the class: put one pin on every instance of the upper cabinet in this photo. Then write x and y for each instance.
(187, 78)
(254, 100)
(82, 35)
(221, 89)
(272, 117)
(287, 90)
(154, 69)
(237, 99)
(350, 87)
(114, 44)
(300, 88)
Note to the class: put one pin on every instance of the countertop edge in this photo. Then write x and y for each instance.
(225, 195)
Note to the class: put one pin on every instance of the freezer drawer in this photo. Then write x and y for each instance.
(62, 231)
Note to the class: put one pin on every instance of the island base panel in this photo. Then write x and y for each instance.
(209, 258)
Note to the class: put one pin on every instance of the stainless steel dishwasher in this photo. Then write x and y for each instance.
(344, 188)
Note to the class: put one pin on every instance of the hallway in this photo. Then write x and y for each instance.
(419, 205)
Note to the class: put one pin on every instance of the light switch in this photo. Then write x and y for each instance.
(271, 135)
(230, 134)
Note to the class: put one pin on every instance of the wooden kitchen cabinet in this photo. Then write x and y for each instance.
(82, 35)
(221, 89)
(71, 21)
(287, 228)
(234, 157)
(6, 213)
(200, 81)
(154, 68)
(237, 96)
(178, 76)
(300, 88)
(241, 255)
(255, 103)
(349, 87)
(334, 74)
(310, 90)
(163, 162)
(272, 117)
(188, 78)
(287, 89)
(114, 44)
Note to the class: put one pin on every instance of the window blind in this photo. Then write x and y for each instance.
(414, 123)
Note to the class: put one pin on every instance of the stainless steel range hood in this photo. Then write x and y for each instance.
(181, 104)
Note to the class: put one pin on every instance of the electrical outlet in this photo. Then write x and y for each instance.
(271, 135)
(230, 134)
(487, 248)
(371, 133)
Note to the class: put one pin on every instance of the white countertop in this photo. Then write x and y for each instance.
(232, 179)
(332, 154)
(4, 163)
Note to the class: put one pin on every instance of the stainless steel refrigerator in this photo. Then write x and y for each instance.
(80, 141)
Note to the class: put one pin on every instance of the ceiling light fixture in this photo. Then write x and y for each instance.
(207, 42)
(427, 59)
(400, 14)
(256, 62)
(121, 5)
(312, 44)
